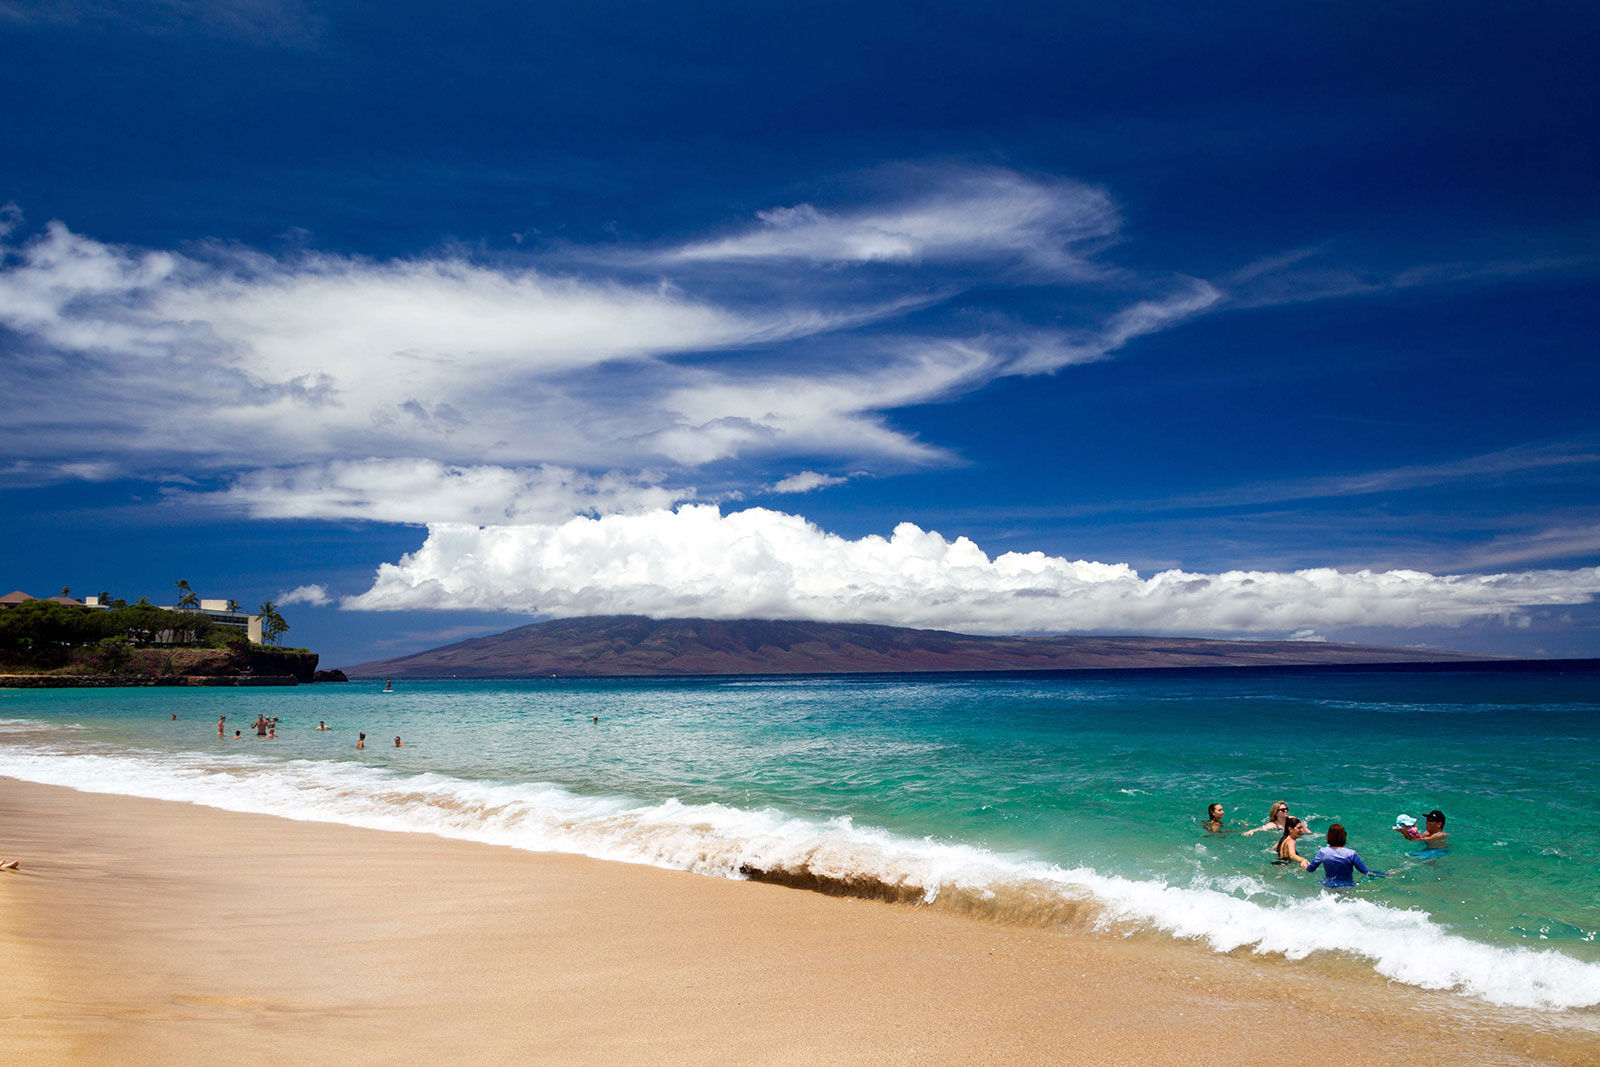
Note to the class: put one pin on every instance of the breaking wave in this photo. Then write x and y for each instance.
(834, 856)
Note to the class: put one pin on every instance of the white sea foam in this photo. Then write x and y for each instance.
(1242, 911)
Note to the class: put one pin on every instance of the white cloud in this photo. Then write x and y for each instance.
(493, 392)
(233, 355)
(963, 216)
(315, 595)
(696, 561)
(805, 482)
(423, 491)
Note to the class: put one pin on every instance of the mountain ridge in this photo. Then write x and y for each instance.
(639, 646)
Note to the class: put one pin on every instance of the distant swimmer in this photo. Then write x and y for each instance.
(1293, 830)
(237, 736)
(361, 742)
(1338, 861)
(322, 725)
(222, 724)
(597, 718)
(397, 742)
(1432, 833)
(272, 730)
(174, 716)
(1213, 823)
(1277, 818)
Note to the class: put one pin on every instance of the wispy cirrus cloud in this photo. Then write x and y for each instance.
(805, 482)
(957, 216)
(211, 357)
(421, 491)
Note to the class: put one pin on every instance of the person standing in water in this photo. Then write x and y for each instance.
(1293, 830)
(222, 725)
(1433, 835)
(397, 742)
(1277, 818)
(1338, 861)
(388, 687)
(361, 742)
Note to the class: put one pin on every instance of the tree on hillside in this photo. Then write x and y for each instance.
(187, 600)
(272, 625)
(66, 591)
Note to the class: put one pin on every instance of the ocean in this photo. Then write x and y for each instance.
(1070, 801)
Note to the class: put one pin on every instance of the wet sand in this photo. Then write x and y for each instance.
(144, 932)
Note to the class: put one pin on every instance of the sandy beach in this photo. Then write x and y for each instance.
(143, 932)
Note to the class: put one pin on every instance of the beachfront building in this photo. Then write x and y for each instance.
(217, 611)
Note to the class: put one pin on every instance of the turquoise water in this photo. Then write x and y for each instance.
(1054, 800)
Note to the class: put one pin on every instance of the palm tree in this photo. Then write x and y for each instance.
(272, 625)
(65, 591)
(187, 600)
(233, 605)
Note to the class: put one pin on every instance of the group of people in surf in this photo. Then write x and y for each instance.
(268, 728)
(1337, 859)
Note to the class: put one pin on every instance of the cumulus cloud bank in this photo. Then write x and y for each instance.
(696, 561)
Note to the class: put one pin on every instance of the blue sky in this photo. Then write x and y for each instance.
(1237, 320)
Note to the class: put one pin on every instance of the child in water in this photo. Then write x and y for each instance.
(1338, 861)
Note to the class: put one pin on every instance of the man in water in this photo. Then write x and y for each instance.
(1432, 835)
(321, 725)
(397, 742)
(1337, 861)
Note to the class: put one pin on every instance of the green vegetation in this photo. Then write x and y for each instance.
(43, 632)
(272, 625)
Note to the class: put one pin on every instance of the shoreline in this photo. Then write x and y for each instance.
(139, 681)
(1487, 666)
(156, 931)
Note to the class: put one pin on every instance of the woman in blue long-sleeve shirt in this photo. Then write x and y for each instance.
(1337, 861)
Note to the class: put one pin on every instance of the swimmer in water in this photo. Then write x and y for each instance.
(1433, 834)
(221, 725)
(397, 742)
(1277, 818)
(1213, 823)
(1293, 830)
(237, 736)
(1337, 861)
(322, 725)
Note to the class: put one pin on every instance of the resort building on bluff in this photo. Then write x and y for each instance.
(215, 610)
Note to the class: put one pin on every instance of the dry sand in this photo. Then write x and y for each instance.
(147, 932)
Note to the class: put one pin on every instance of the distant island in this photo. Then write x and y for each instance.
(633, 645)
